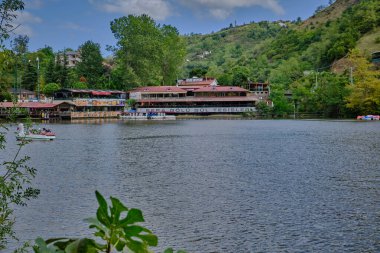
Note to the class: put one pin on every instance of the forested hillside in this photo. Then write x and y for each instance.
(287, 53)
(322, 64)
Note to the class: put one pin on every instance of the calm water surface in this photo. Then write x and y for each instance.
(216, 185)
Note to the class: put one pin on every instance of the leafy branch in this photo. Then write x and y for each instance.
(116, 225)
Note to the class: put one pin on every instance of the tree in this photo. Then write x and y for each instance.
(282, 105)
(15, 175)
(263, 109)
(90, 66)
(8, 14)
(138, 48)
(7, 64)
(60, 73)
(49, 71)
(79, 85)
(364, 95)
(240, 76)
(30, 77)
(331, 93)
(286, 73)
(20, 44)
(146, 52)
(225, 79)
(198, 71)
(15, 186)
(50, 88)
(173, 53)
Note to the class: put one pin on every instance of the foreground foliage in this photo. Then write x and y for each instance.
(116, 225)
(364, 95)
(15, 175)
(15, 188)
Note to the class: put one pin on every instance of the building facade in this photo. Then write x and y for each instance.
(90, 103)
(198, 96)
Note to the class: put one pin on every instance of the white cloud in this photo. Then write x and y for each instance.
(223, 8)
(75, 27)
(24, 21)
(157, 9)
(33, 4)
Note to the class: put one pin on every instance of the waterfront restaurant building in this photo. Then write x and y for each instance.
(194, 96)
(90, 103)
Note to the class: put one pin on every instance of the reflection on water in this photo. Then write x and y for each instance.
(216, 185)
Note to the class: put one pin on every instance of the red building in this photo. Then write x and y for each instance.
(194, 96)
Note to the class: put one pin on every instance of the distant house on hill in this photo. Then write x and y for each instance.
(196, 81)
(72, 58)
(23, 94)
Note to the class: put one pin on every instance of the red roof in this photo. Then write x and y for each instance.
(191, 88)
(101, 93)
(159, 89)
(221, 89)
(91, 91)
(202, 99)
(32, 105)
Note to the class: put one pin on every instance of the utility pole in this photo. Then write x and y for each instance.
(38, 79)
(15, 84)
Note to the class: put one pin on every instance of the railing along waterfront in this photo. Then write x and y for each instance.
(81, 115)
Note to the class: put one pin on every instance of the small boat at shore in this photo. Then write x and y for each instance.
(34, 134)
(146, 116)
(368, 117)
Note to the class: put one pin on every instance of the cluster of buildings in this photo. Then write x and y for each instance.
(200, 96)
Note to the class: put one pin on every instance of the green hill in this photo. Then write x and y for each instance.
(330, 13)
(257, 51)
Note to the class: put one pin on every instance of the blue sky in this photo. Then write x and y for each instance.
(69, 23)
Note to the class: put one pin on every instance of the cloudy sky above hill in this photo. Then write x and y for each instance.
(69, 23)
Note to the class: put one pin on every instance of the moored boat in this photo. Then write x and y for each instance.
(146, 116)
(34, 134)
(368, 117)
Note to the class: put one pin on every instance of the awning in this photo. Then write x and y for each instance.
(101, 93)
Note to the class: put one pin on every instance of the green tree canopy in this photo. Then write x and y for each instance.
(90, 66)
(147, 53)
(8, 13)
(50, 88)
(173, 54)
(79, 85)
(365, 91)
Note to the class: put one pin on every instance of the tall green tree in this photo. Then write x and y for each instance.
(173, 54)
(331, 93)
(49, 71)
(20, 44)
(147, 52)
(29, 80)
(364, 95)
(138, 47)
(91, 66)
(50, 88)
(7, 67)
(60, 73)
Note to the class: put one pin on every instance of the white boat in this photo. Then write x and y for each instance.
(146, 116)
(34, 134)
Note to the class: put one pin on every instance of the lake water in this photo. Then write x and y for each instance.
(215, 185)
